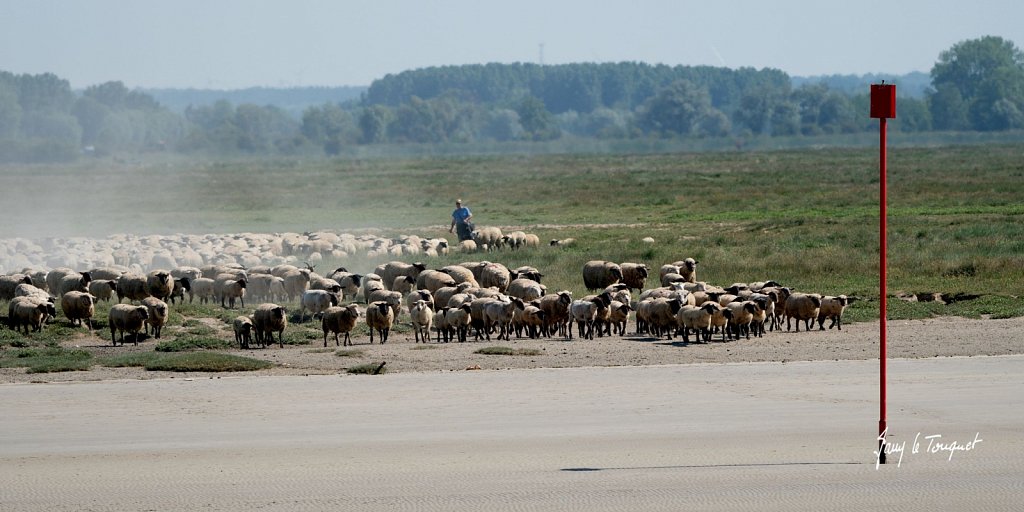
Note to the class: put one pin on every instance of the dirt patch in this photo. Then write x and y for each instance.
(939, 337)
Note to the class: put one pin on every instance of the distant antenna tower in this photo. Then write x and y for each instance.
(541, 54)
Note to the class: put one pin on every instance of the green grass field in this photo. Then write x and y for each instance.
(807, 218)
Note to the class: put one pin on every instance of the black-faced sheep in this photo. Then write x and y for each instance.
(832, 307)
(316, 301)
(379, 318)
(268, 319)
(802, 307)
(634, 275)
(340, 320)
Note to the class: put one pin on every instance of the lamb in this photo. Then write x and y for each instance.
(242, 325)
(340, 320)
(634, 275)
(126, 318)
(600, 274)
(157, 311)
(231, 289)
(433, 280)
(393, 269)
(131, 287)
(202, 288)
(422, 317)
(29, 312)
(268, 319)
(9, 283)
(379, 317)
(78, 307)
(526, 289)
(832, 307)
(531, 240)
(565, 242)
(698, 319)
(159, 284)
(316, 301)
(458, 320)
(802, 306)
(721, 320)
(489, 237)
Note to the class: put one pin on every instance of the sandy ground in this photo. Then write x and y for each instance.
(745, 436)
(940, 337)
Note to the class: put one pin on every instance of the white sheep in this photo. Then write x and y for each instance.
(202, 288)
(433, 280)
(126, 318)
(422, 317)
(458, 320)
(231, 289)
(159, 284)
(102, 289)
(131, 287)
(316, 301)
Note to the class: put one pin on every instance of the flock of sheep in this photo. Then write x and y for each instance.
(480, 297)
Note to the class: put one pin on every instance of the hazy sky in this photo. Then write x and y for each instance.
(228, 44)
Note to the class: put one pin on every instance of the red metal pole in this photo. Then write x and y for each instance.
(882, 284)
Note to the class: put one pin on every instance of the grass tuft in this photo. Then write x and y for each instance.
(508, 351)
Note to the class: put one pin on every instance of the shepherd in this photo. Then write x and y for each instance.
(460, 221)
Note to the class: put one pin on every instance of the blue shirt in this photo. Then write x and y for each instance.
(460, 214)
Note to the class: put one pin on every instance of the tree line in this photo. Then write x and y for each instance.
(975, 85)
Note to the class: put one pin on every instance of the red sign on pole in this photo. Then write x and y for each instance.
(883, 107)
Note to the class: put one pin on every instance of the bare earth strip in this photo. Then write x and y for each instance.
(939, 337)
(750, 436)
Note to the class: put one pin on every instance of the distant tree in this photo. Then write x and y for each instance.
(502, 125)
(714, 123)
(912, 115)
(537, 122)
(675, 109)
(44, 92)
(10, 111)
(328, 126)
(755, 109)
(373, 122)
(785, 119)
(948, 108)
(985, 72)
(91, 115)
